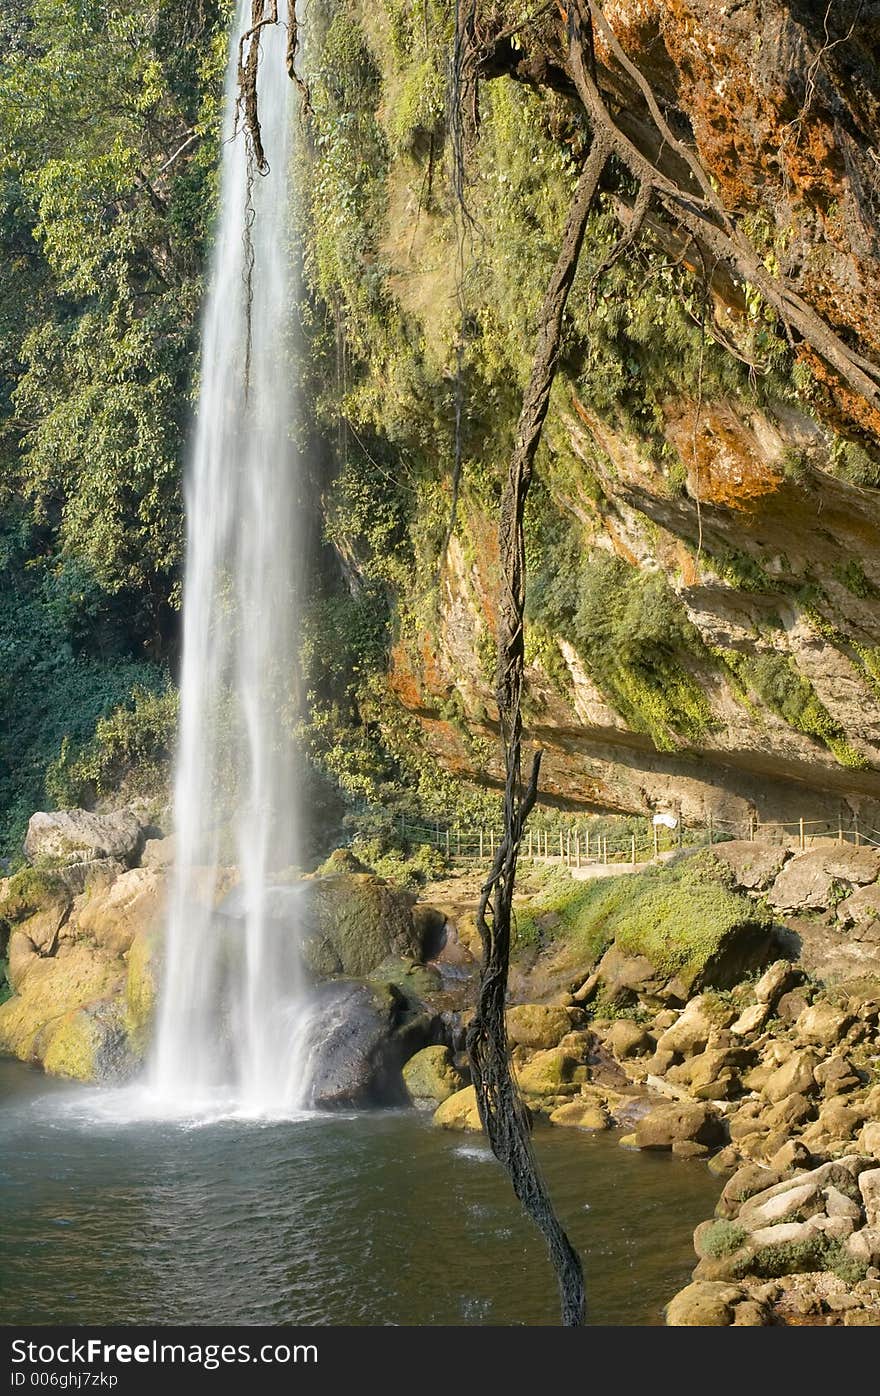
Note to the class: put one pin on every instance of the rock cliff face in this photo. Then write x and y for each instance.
(704, 546)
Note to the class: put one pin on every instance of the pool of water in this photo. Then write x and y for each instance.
(374, 1218)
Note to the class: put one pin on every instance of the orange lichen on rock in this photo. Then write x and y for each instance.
(725, 461)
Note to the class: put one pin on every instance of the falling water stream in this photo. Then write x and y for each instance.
(233, 1007)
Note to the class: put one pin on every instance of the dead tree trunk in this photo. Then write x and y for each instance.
(502, 1111)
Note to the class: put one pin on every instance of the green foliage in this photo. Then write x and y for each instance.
(407, 870)
(631, 632)
(65, 662)
(132, 745)
(797, 1257)
(777, 681)
(722, 1238)
(95, 102)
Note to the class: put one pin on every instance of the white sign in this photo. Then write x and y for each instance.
(668, 821)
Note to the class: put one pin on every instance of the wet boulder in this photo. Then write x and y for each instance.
(431, 1076)
(363, 1034)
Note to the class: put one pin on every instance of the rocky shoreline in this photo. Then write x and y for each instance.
(725, 1008)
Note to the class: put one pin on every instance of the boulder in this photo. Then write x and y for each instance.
(350, 923)
(459, 1111)
(362, 1037)
(546, 1072)
(763, 1210)
(115, 914)
(822, 1024)
(746, 1182)
(869, 1139)
(581, 1114)
(538, 1025)
(793, 1077)
(705, 1304)
(792, 1004)
(713, 1074)
(751, 1020)
(431, 1076)
(864, 1248)
(753, 865)
(774, 982)
(691, 1032)
(678, 1121)
(812, 880)
(159, 853)
(77, 836)
(869, 1187)
(89, 1044)
(625, 1039)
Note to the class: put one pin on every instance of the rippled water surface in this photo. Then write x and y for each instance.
(361, 1219)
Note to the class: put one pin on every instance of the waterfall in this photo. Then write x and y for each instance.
(233, 1010)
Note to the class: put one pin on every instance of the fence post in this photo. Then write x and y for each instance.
(491, 843)
(605, 848)
(531, 856)
(577, 848)
(568, 847)
(656, 842)
(447, 841)
(857, 830)
(633, 849)
(711, 830)
(803, 842)
(839, 827)
(481, 845)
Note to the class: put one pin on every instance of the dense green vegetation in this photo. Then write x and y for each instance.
(108, 137)
(418, 320)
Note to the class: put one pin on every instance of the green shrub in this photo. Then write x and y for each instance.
(723, 1238)
(132, 744)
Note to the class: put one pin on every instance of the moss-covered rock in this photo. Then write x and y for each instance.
(547, 1072)
(353, 922)
(89, 1044)
(581, 1114)
(431, 1076)
(538, 1025)
(459, 1111)
(141, 989)
(76, 976)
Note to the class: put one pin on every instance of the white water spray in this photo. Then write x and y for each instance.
(233, 1011)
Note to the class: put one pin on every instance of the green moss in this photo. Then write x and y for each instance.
(776, 679)
(678, 916)
(853, 576)
(723, 1238)
(631, 632)
(29, 891)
